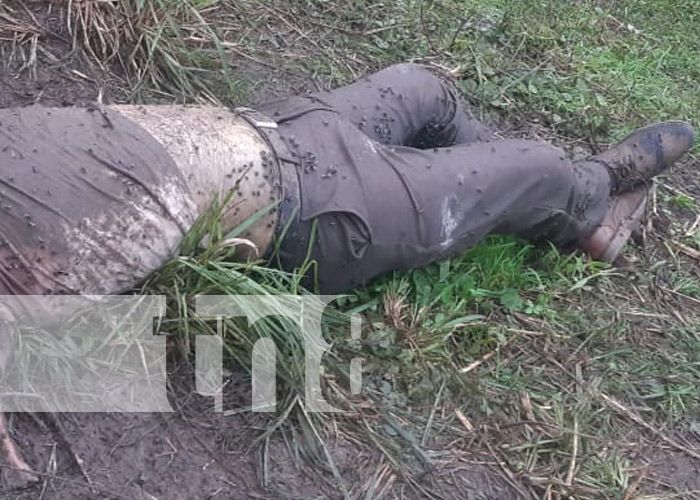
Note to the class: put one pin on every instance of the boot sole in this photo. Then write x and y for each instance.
(624, 230)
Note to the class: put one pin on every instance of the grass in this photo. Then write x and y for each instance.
(582, 68)
(565, 375)
(164, 46)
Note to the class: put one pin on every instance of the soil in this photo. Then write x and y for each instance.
(197, 453)
(192, 453)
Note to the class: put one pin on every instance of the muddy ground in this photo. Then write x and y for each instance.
(193, 453)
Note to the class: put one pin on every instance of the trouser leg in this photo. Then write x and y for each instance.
(379, 205)
(406, 105)
(511, 187)
(379, 208)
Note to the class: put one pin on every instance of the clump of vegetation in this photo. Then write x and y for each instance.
(162, 45)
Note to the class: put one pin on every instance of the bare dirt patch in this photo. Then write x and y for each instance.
(193, 453)
(40, 63)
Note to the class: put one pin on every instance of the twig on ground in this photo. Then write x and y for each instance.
(489, 355)
(12, 456)
(102, 490)
(566, 491)
(347, 31)
(464, 420)
(544, 425)
(530, 333)
(331, 462)
(431, 417)
(678, 294)
(626, 412)
(233, 47)
(675, 190)
(508, 474)
(694, 227)
(74, 455)
(655, 199)
(574, 455)
(526, 403)
(635, 485)
(483, 359)
(685, 249)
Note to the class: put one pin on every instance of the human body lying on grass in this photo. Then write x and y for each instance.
(387, 173)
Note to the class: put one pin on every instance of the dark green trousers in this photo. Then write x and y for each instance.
(397, 174)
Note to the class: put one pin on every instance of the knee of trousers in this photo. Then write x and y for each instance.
(412, 69)
(420, 76)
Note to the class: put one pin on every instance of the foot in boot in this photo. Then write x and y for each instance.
(646, 153)
(623, 217)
